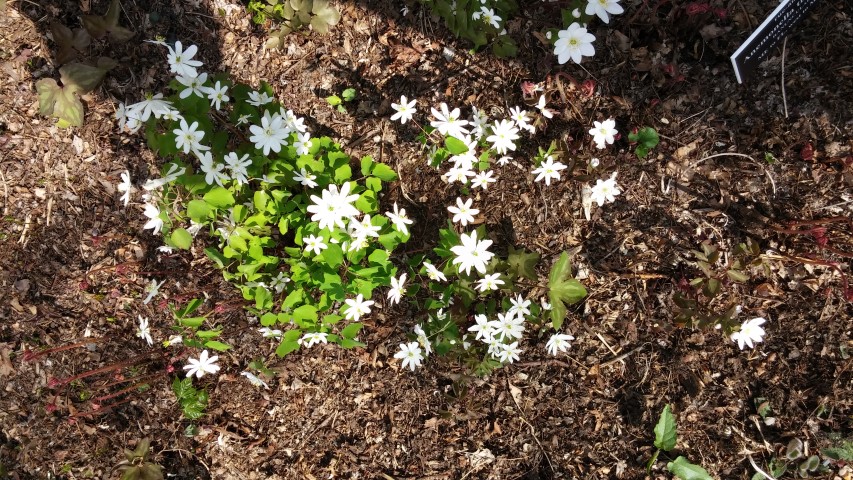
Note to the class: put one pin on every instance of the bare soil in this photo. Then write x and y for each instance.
(735, 161)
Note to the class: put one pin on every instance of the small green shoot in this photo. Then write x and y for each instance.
(646, 139)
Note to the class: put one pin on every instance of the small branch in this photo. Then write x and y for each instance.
(757, 469)
(784, 96)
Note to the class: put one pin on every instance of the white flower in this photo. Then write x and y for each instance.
(519, 116)
(165, 249)
(545, 305)
(143, 331)
(423, 340)
(399, 219)
(217, 94)
(243, 119)
(154, 221)
(459, 174)
(602, 8)
(152, 105)
(238, 166)
(542, 109)
(504, 160)
(195, 85)
(125, 186)
(490, 282)
(315, 244)
(255, 380)
(270, 135)
(294, 123)
(410, 354)
(594, 162)
(519, 307)
(213, 171)
(404, 109)
(434, 273)
(203, 365)
(267, 332)
(479, 123)
(305, 178)
(484, 329)
(302, 143)
(171, 175)
(361, 229)
(575, 43)
(548, 169)
(483, 179)
(173, 340)
(357, 307)
(279, 281)
(603, 133)
(181, 61)
(313, 338)
(448, 123)
(398, 289)
(187, 137)
(333, 207)
(605, 191)
(559, 342)
(258, 98)
(472, 253)
(504, 134)
(462, 212)
(750, 333)
(152, 289)
(508, 352)
(509, 326)
(488, 16)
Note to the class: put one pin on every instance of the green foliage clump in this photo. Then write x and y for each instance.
(136, 465)
(61, 100)
(466, 19)
(292, 15)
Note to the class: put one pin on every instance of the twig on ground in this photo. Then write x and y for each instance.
(5, 194)
(532, 430)
(757, 469)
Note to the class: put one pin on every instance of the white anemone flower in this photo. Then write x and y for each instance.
(604, 8)
(472, 253)
(181, 61)
(204, 364)
(750, 333)
(574, 43)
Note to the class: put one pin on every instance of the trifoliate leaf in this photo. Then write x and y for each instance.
(324, 16)
(68, 44)
(384, 172)
(685, 470)
(98, 25)
(563, 290)
(665, 431)
(522, 263)
(59, 102)
(84, 78)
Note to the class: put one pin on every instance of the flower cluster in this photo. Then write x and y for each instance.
(575, 42)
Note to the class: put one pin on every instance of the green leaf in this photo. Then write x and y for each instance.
(333, 255)
(98, 25)
(348, 94)
(305, 313)
(523, 263)
(219, 197)
(384, 172)
(685, 470)
(563, 290)
(181, 238)
(192, 322)
(665, 431)
(343, 173)
(351, 330)
(68, 44)
(84, 78)
(217, 345)
(334, 100)
(455, 146)
(216, 256)
(199, 210)
(59, 102)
